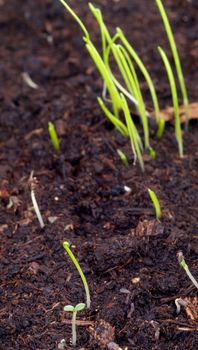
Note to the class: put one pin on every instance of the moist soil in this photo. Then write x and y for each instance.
(128, 257)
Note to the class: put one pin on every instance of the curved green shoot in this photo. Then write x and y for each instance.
(66, 246)
(74, 310)
(97, 60)
(103, 29)
(123, 157)
(115, 97)
(152, 153)
(161, 128)
(156, 203)
(175, 56)
(172, 83)
(77, 19)
(106, 38)
(134, 87)
(119, 125)
(144, 71)
(53, 136)
(184, 266)
(133, 133)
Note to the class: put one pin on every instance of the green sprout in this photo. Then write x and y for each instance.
(128, 72)
(143, 70)
(184, 266)
(77, 19)
(156, 203)
(178, 131)
(97, 59)
(123, 157)
(119, 125)
(133, 134)
(74, 310)
(53, 136)
(175, 56)
(125, 57)
(67, 246)
(161, 128)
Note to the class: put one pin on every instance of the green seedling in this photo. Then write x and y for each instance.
(129, 75)
(156, 203)
(161, 128)
(178, 131)
(77, 19)
(144, 71)
(123, 157)
(133, 134)
(175, 56)
(126, 68)
(152, 153)
(119, 125)
(97, 59)
(74, 310)
(111, 87)
(32, 182)
(67, 246)
(53, 136)
(184, 266)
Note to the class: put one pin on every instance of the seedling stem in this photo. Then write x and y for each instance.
(184, 266)
(66, 246)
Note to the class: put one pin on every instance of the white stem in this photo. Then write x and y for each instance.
(74, 328)
(191, 276)
(37, 210)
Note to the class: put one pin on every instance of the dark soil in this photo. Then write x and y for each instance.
(128, 257)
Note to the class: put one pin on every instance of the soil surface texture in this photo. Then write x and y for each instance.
(85, 193)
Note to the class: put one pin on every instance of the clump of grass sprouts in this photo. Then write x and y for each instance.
(116, 95)
(74, 310)
(66, 246)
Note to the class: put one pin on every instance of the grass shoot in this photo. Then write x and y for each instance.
(77, 19)
(67, 246)
(184, 266)
(74, 310)
(129, 75)
(161, 128)
(143, 70)
(53, 136)
(156, 203)
(178, 131)
(119, 125)
(133, 134)
(123, 157)
(114, 92)
(175, 56)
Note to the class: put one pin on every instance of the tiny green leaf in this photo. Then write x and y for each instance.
(123, 157)
(69, 308)
(79, 307)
